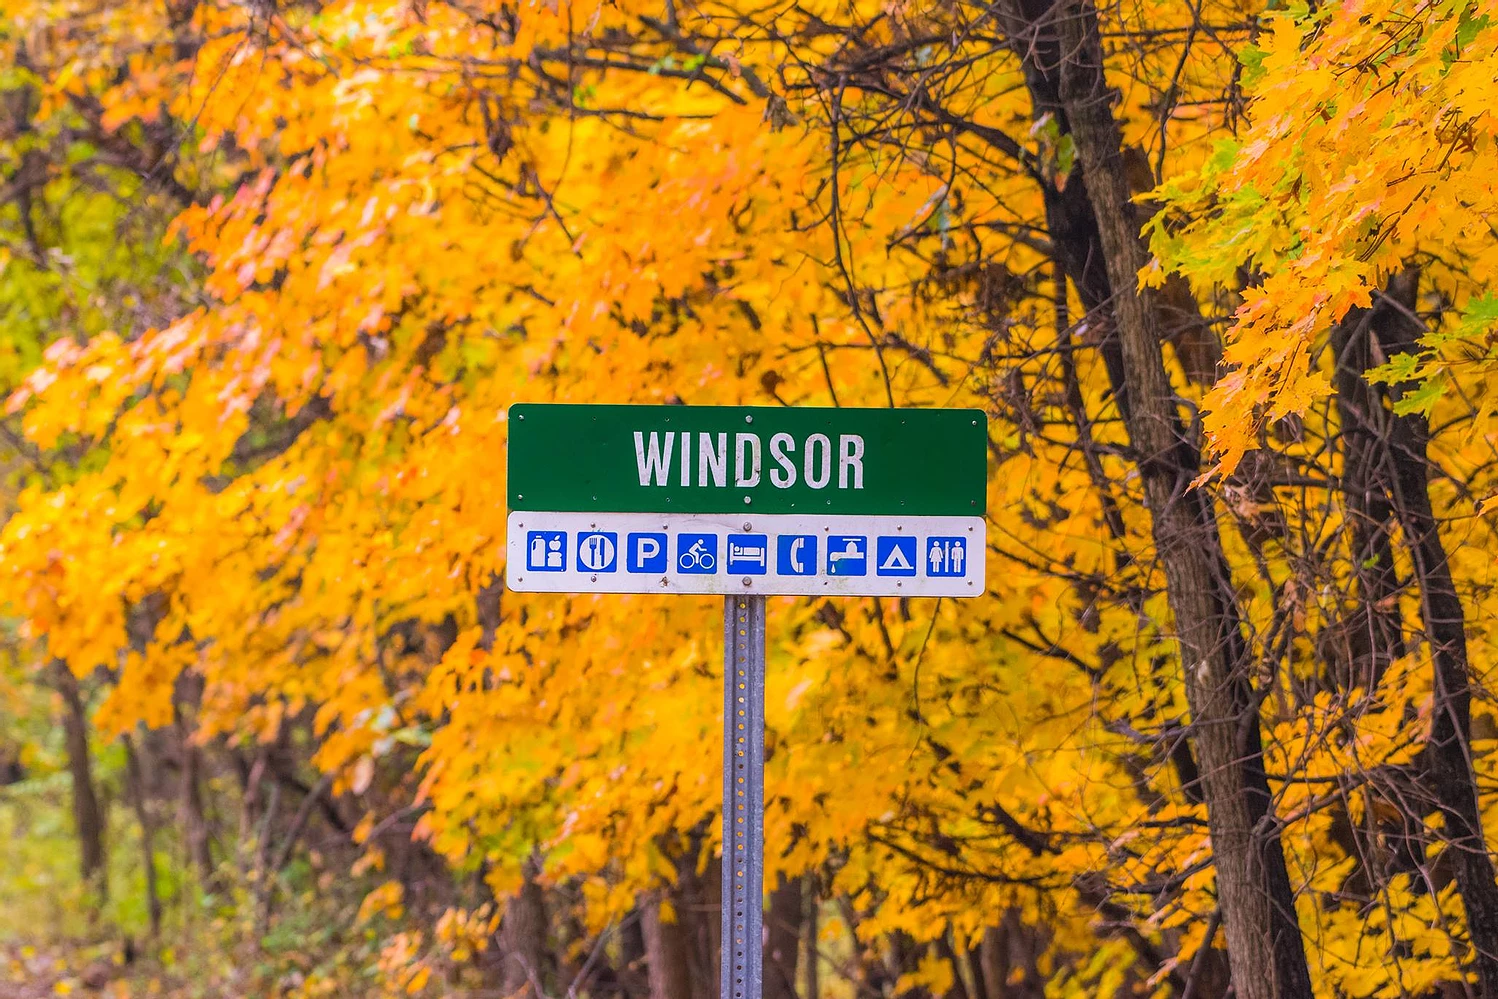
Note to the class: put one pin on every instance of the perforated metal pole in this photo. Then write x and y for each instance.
(743, 795)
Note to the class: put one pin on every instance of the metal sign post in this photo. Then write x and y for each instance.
(746, 501)
(743, 795)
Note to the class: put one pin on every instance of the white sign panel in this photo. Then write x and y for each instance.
(790, 554)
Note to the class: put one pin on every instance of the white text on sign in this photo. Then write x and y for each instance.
(812, 460)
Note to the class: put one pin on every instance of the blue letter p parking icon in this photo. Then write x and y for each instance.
(645, 553)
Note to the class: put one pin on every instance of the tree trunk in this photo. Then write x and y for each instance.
(263, 842)
(1374, 633)
(1448, 762)
(1371, 637)
(522, 939)
(666, 947)
(1264, 940)
(993, 963)
(694, 898)
(783, 939)
(700, 914)
(634, 963)
(813, 902)
(137, 787)
(1007, 959)
(88, 817)
(251, 777)
(190, 811)
(946, 950)
(194, 820)
(901, 954)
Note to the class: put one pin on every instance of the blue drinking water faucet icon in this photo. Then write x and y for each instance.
(847, 555)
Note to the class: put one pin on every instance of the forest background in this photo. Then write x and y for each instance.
(1221, 272)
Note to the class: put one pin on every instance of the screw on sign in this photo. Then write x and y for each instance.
(844, 502)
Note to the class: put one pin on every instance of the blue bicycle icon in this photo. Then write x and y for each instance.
(697, 553)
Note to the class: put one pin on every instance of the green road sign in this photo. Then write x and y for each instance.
(733, 459)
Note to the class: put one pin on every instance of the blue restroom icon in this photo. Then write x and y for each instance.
(946, 557)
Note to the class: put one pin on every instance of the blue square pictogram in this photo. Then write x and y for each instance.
(847, 555)
(697, 554)
(946, 557)
(895, 556)
(796, 554)
(546, 551)
(645, 552)
(597, 551)
(748, 554)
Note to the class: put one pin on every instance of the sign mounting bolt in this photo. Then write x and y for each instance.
(747, 500)
(748, 581)
(749, 418)
(748, 526)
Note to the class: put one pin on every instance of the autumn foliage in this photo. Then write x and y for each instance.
(1222, 275)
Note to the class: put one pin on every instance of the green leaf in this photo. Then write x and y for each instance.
(1399, 368)
(1252, 58)
(413, 735)
(1469, 27)
(1423, 399)
(1066, 154)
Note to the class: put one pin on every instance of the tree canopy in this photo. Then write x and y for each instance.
(1220, 273)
